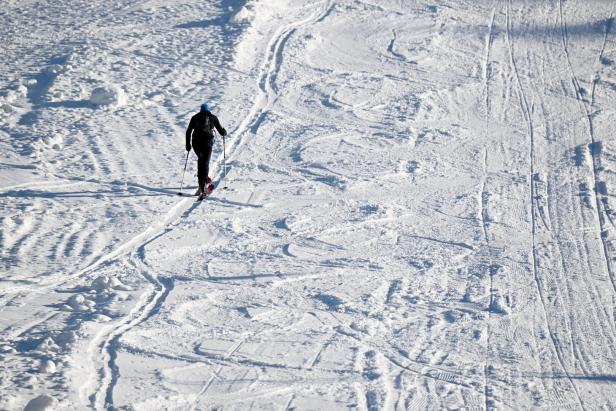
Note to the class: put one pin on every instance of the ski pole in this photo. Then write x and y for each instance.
(183, 172)
(224, 159)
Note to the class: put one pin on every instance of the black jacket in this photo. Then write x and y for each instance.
(200, 136)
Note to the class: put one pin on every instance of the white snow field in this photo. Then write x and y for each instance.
(419, 214)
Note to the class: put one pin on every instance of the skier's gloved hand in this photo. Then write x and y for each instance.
(188, 147)
(224, 132)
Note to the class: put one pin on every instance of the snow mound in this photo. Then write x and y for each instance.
(101, 318)
(10, 97)
(47, 346)
(80, 302)
(499, 306)
(7, 349)
(245, 14)
(108, 96)
(41, 403)
(47, 366)
(108, 283)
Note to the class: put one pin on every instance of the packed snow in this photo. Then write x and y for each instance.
(413, 205)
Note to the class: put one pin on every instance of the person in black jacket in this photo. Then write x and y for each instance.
(200, 132)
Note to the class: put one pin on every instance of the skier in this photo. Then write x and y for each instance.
(200, 132)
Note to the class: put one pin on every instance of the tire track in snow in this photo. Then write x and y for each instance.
(526, 110)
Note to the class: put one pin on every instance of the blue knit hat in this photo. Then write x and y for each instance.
(204, 107)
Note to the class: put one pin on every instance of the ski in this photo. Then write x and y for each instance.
(197, 193)
(208, 191)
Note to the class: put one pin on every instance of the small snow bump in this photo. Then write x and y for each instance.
(30, 382)
(246, 13)
(48, 346)
(499, 306)
(55, 69)
(101, 318)
(47, 366)
(108, 96)
(108, 283)
(7, 349)
(332, 302)
(22, 90)
(79, 302)
(30, 83)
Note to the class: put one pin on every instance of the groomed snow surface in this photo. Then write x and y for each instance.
(418, 214)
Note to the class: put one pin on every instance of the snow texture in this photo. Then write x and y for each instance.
(418, 213)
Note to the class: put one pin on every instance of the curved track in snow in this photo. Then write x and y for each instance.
(105, 344)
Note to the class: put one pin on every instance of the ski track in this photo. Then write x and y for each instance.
(534, 254)
(484, 195)
(267, 77)
(151, 302)
(102, 348)
(587, 111)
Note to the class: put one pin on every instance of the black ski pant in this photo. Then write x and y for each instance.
(203, 163)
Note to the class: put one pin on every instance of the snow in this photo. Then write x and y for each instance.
(107, 96)
(418, 212)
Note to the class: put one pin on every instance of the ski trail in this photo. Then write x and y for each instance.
(317, 357)
(484, 196)
(595, 80)
(216, 372)
(524, 105)
(486, 77)
(288, 405)
(488, 51)
(103, 348)
(105, 344)
(162, 288)
(43, 185)
(595, 160)
(392, 44)
(266, 80)
(599, 204)
(386, 380)
(125, 248)
(484, 217)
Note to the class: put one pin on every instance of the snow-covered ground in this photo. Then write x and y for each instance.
(418, 213)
